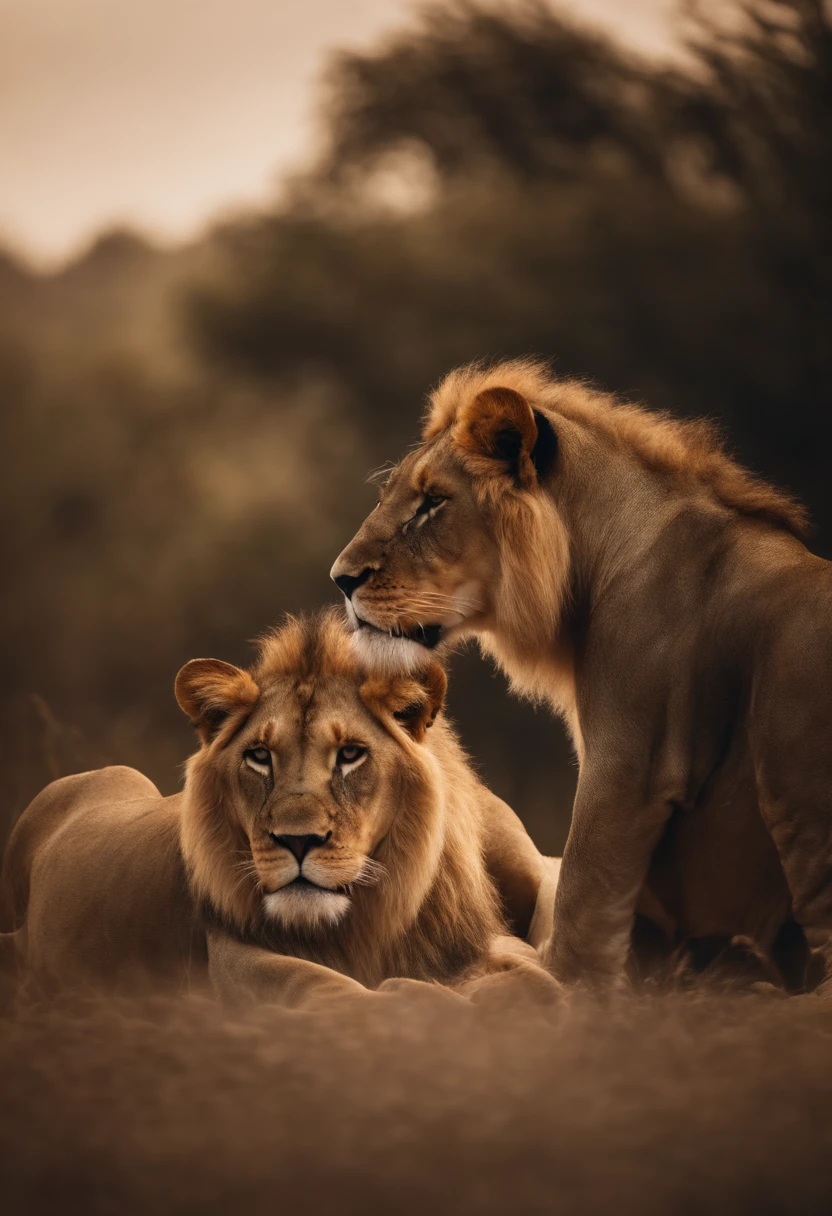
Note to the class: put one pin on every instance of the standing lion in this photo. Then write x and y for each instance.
(620, 566)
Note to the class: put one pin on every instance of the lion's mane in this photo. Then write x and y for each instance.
(435, 909)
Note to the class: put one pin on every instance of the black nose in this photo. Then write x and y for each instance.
(300, 845)
(349, 582)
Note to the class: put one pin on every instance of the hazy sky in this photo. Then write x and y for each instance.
(164, 113)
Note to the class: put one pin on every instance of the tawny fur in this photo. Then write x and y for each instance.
(111, 881)
(687, 451)
(621, 566)
(435, 909)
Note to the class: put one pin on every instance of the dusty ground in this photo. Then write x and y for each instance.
(696, 1103)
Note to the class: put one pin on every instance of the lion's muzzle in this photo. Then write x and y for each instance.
(299, 846)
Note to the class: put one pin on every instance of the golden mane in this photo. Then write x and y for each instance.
(689, 451)
(305, 647)
(436, 908)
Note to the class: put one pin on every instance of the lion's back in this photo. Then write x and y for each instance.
(95, 869)
(50, 810)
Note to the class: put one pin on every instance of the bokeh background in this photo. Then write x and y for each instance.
(640, 192)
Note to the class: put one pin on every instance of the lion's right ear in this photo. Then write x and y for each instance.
(500, 433)
(210, 691)
(413, 701)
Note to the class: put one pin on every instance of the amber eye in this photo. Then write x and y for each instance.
(350, 755)
(260, 760)
(429, 503)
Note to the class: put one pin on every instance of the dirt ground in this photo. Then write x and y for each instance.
(691, 1103)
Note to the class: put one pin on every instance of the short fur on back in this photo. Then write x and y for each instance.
(688, 451)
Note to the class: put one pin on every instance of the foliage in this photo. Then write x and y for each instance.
(186, 434)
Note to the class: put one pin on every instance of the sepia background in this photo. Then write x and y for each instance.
(240, 241)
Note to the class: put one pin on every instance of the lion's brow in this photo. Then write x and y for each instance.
(269, 733)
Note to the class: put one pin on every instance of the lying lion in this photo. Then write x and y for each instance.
(325, 841)
(620, 566)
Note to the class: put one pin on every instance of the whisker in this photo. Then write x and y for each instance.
(452, 601)
(438, 598)
(426, 605)
(242, 880)
(424, 609)
(382, 472)
(371, 873)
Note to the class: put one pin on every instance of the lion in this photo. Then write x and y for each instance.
(331, 835)
(622, 568)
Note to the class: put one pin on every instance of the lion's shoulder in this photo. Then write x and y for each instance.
(52, 808)
(94, 869)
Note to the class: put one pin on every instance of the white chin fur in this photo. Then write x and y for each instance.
(303, 908)
(391, 656)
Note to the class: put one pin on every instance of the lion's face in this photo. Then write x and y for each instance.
(465, 537)
(306, 777)
(309, 785)
(421, 571)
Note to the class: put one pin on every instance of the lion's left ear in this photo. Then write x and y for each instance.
(501, 432)
(210, 691)
(413, 700)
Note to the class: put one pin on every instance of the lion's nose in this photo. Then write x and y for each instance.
(350, 582)
(300, 845)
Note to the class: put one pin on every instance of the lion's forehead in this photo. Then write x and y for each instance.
(431, 459)
(312, 710)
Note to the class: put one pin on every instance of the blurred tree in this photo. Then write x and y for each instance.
(666, 231)
(496, 181)
(663, 229)
(482, 87)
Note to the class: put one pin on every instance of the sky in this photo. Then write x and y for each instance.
(166, 114)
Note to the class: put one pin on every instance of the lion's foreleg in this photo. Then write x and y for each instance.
(512, 861)
(244, 974)
(510, 971)
(605, 863)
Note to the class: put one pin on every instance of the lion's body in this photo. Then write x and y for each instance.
(697, 720)
(660, 599)
(99, 885)
(112, 883)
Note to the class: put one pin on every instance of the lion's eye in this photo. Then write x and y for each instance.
(260, 760)
(350, 756)
(429, 503)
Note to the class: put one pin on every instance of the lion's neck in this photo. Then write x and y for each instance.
(451, 932)
(452, 908)
(614, 511)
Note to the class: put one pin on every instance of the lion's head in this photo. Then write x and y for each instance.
(512, 504)
(457, 541)
(316, 814)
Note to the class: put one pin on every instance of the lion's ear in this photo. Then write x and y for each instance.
(503, 435)
(210, 691)
(413, 700)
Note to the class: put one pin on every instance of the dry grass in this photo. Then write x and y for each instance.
(690, 1103)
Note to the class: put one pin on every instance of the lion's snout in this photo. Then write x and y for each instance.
(299, 846)
(347, 583)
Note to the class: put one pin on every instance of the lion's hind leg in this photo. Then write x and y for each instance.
(793, 765)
